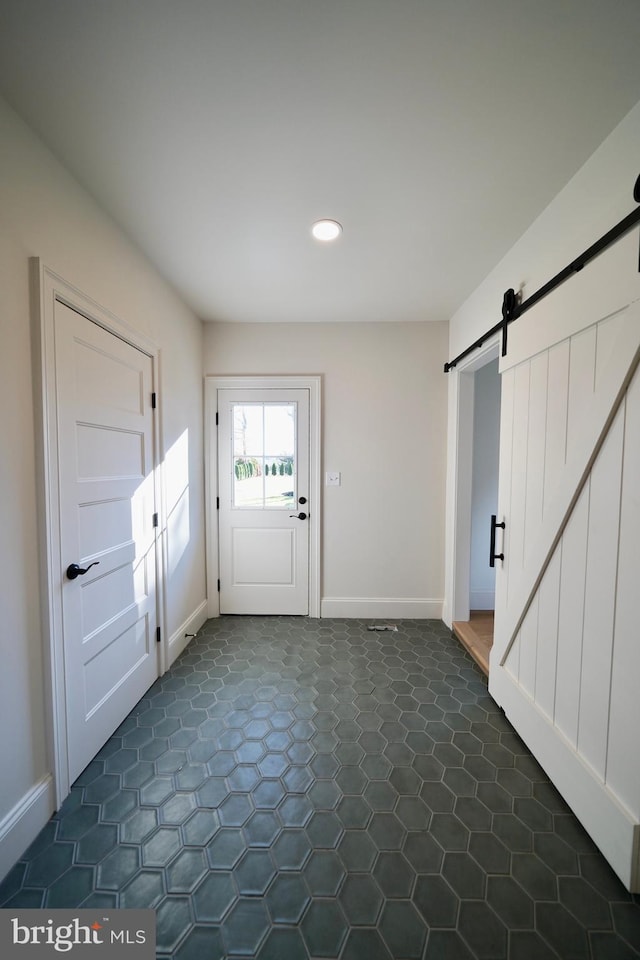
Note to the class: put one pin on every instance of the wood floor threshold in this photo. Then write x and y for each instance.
(477, 643)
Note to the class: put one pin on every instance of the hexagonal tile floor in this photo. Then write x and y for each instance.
(298, 788)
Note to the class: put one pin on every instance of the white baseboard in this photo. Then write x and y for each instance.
(178, 641)
(391, 608)
(482, 599)
(24, 822)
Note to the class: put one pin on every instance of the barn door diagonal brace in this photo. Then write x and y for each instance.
(512, 309)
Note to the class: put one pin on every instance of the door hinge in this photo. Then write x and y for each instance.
(218, 586)
(158, 634)
(154, 400)
(217, 503)
(217, 419)
(155, 520)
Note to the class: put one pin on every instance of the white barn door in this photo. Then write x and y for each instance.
(566, 658)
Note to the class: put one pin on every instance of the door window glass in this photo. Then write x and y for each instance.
(264, 445)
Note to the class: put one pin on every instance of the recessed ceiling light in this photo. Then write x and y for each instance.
(326, 229)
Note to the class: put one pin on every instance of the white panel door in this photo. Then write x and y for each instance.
(263, 516)
(106, 491)
(565, 664)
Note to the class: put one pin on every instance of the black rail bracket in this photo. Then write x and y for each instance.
(636, 197)
(509, 307)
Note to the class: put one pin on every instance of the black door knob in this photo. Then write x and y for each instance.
(298, 516)
(73, 570)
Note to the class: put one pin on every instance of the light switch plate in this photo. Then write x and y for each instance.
(332, 478)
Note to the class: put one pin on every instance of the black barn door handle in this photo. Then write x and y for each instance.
(493, 556)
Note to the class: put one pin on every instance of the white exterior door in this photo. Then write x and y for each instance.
(566, 658)
(263, 514)
(106, 493)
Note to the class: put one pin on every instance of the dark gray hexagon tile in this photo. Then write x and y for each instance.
(360, 899)
(448, 945)
(324, 829)
(436, 900)
(214, 897)
(376, 767)
(557, 855)
(365, 943)
(161, 847)
(403, 929)
(626, 919)
(71, 889)
(413, 813)
(144, 891)
(483, 930)
(226, 848)
(515, 835)
(156, 791)
(495, 797)
(78, 822)
(243, 778)
(448, 754)
(262, 828)
(324, 873)
(287, 898)
(381, 795)
(102, 788)
(534, 876)
(386, 831)
(212, 792)
(291, 849)
(324, 928)
(235, 810)
(324, 766)
(354, 812)
(324, 795)
(586, 905)
(245, 927)
(138, 826)
(118, 867)
(423, 852)
(96, 844)
(511, 903)
(394, 875)
(185, 871)
(357, 851)
(177, 808)
(464, 875)
(254, 873)
(561, 931)
(428, 768)
(437, 796)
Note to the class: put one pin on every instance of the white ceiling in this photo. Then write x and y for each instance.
(216, 131)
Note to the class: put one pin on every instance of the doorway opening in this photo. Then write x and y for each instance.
(476, 634)
(477, 433)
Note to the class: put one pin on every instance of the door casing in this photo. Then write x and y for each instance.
(459, 481)
(47, 288)
(314, 385)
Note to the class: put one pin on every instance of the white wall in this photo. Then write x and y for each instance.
(46, 214)
(484, 493)
(384, 421)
